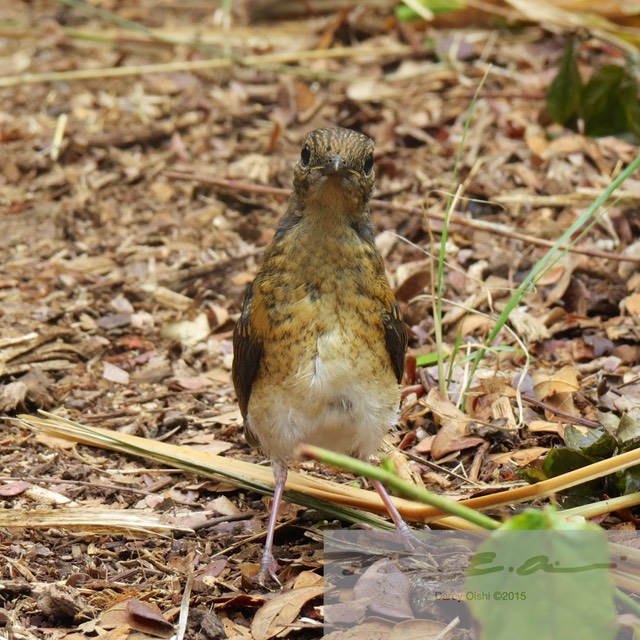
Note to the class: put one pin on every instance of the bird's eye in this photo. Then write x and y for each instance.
(305, 155)
(368, 163)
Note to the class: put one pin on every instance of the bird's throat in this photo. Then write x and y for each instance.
(333, 202)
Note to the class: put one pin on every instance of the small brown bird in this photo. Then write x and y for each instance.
(319, 348)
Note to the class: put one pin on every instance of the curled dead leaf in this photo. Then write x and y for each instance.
(148, 618)
(452, 435)
(564, 380)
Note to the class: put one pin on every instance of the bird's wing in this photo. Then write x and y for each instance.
(247, 353)
(395, 333)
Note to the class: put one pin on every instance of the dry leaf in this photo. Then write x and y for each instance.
(370, 629)
(404, 468)
(215, 447)
(367, 89)
(412, 278)
(475, 324)
(147, 617)
(631, 304)
(136, 615)
(168, 298)
(501, 410)
(229, 417)
(193, 383)
(90, 265)
(276, 616)
(223, 506)
(54, 442)
(10, 489)
(452, 434)
(47, 496)
(188, 332)
(220, 315)
(351, 612)
(115, 616)
(36, 387)
(528, 327)
(563, 381)
(557, 390)
(418, 630)
(544, 426)
(115, 374)
(520, 458)
(388, 587)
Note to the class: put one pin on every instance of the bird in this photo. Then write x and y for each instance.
(319, 347)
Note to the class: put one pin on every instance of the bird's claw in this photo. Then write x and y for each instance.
(409, 540)
(268, 567)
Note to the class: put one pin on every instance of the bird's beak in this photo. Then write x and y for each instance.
(337, 163)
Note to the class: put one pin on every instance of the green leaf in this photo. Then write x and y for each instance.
(544, 520)
(559, 461)
(563, 95)
(405, 13)
(629, 430)
(530, 520)
(532, 475)
(630, 102)
(602, 110)
(629, 445)
(595, 443)
(539, 577)
(629, 481)
(427, 359)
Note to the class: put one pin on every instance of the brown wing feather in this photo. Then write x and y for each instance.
(395, 333)
(247, 353)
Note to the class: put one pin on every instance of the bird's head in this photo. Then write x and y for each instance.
(335, 171)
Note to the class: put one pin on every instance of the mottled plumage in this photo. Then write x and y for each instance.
(320, 344)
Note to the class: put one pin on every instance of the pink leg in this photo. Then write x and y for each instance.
(268, 565)
(401, 526)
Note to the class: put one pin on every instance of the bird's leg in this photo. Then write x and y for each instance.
(402, 528)
(268, 564)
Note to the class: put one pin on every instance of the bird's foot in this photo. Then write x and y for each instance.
(403, 533)
(268, 568)
(407, 537)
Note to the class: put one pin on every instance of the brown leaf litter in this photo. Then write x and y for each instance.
(122, 273)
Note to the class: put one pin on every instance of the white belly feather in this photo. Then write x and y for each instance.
(330, 403)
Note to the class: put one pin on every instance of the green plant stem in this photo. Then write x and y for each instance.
(397, 484)
(629, 603)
